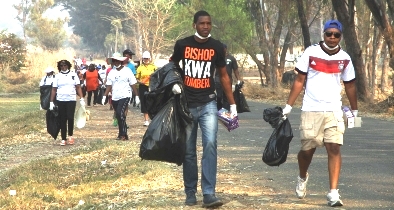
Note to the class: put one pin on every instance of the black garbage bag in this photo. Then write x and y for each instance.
(53, 125)
(45, 96)
(240, 100)
(275, 152)
(165, 137)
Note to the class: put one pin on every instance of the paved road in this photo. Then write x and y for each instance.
(367, 176)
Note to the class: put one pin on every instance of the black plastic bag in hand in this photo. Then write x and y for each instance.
(275, 152)
(45, 96)
(53, 126)
(240, 100)
(165, 138)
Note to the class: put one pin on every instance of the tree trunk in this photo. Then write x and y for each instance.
(351, 40)
(376, 54)
(304, 24)
(385, 71)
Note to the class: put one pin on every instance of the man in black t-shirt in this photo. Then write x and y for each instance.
(231, 66)
(199, 55)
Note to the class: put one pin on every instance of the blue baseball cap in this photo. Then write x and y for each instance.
(333, 24)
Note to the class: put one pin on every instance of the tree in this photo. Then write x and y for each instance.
(345, 14)
(12, 52)
(23, 9)
(45, 32)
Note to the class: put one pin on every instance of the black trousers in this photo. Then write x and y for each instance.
(66, 115)
(95, 93)
(119, 107)
(141, 92)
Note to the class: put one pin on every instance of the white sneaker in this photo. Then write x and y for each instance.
(301, 186)
(333, 199)
(146, 123)
(63, 143)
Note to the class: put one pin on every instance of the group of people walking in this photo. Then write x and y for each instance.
(197, 58)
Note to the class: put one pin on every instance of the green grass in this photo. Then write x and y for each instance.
(20, 114)
(60, 183)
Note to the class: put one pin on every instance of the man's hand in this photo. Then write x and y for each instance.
(51, 106)
(82, 102)
(286, 111)
(176, 89)
(137, 100)
(233, 110)
(238, 82)
(355, 113)
(103, 100)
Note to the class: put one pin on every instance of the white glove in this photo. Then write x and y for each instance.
(51, 106)
(355, 112)
(238, 82)
(233, 110)
(286, 111)
(82, 102)
(137, 100)
(103, 100)
(176, 89)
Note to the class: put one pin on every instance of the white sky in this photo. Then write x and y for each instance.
(8, 14)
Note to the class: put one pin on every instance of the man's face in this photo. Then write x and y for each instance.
(332, 37)
(203, 26)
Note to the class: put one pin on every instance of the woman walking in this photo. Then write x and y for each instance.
(66, 86)
(92, 79)
(121, 81)
(143, 76)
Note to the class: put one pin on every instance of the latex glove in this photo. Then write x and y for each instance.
(238, 82)
(51, 106)
(176, 89)
(137, 100)
(233, 110)
(103, 100)
(82, 102)
(355, 112)
(286, 111)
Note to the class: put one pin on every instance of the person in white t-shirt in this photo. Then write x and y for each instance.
(66, 86)
(120, 81)
(323, 66)
(48, 78)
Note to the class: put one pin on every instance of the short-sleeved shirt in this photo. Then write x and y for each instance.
(324, 74)
(132, 67)
(144, 72)
(120, 80)
(231, 65)
(198, 67)
(47, 80)
(65, 83)
(103, 74)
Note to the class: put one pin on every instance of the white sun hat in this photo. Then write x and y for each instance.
(146, 54)
(118, 57)
(49, 69)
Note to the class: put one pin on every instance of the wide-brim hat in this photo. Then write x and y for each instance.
(118, 58)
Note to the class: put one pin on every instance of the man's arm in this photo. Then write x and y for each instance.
(225, 81)
(298, 86)
(350, 89)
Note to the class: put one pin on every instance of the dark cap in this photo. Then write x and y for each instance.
(128, 52)
(225, 46)
(333, 24)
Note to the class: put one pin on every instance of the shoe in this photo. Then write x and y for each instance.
(146, 123)
(63, 143)
(115, 122)
(123, 138)
(333, 199)
(210, 201)
(301, 186)
(70, 140)
(191, 199)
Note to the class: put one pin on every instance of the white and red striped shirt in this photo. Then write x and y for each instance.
(324, 75)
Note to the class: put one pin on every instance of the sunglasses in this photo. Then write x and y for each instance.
(329, 34)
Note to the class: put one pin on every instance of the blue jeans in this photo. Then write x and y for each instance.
(206, 117)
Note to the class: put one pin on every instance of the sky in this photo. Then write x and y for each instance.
(8, 14)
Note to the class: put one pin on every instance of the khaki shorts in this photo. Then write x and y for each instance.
(317, 128)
